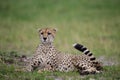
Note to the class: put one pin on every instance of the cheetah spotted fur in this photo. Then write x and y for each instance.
(47, 57)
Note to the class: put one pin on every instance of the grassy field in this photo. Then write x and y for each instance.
(94, 23)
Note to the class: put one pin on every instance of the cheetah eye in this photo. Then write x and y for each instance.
(41, 33)
(49, 33)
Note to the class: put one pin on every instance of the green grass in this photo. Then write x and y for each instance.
(94, 23)
(9, 73)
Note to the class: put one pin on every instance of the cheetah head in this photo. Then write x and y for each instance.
(47, 35)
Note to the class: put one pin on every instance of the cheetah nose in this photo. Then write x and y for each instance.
(45, 38)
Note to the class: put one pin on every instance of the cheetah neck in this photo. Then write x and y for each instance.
(47, 44)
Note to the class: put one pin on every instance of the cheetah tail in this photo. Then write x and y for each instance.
(84, 50)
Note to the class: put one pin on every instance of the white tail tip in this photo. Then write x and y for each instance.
(74, 44)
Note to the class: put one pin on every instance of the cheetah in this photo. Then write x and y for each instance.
(47, 57)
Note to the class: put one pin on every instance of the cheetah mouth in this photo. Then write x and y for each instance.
(44, 40)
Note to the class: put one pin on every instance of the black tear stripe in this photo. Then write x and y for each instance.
(90, 54)
(92, 58)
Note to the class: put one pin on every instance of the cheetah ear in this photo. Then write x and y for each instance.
(55, 29)
(39, 29)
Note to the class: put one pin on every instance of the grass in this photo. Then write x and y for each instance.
(94, 23)
(9, 73)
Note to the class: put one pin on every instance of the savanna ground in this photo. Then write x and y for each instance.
(94, 23)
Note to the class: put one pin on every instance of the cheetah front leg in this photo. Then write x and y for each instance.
(29, 68)
(32, 65)
(45, 68)
(91, 70)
